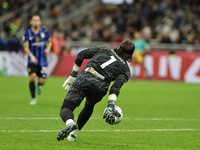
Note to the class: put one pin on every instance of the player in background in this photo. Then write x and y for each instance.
(106, 65)
(37, 44)
(141, 48)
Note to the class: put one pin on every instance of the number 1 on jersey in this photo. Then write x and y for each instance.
(110, 61)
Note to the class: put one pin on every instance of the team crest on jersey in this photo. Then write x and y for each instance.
(42, 35)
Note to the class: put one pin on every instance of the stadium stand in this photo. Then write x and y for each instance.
(160, 21)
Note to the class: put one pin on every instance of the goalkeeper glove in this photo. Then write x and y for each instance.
(71, 78)
(110, 112)
(68, 82)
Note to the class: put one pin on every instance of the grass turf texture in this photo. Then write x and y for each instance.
(139, 100)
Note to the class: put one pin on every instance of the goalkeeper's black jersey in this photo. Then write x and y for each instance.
(107, 64)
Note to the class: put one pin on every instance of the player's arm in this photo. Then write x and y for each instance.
(110, 112)
(72, 77)
(49, 45)
(85, 54)
(27, 50)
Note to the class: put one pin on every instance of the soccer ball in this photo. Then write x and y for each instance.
(117, 119)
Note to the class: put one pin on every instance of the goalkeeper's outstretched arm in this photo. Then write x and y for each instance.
(72, 77)
(85, 54)
(110, 112)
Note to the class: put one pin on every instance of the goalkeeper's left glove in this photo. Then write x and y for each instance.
(110, 112)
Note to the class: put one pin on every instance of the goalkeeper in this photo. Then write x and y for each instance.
(106, 65)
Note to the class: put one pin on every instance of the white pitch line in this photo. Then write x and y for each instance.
(42, 118)
(137, 130)
(166, 119)
(57, 118)
(24, 118)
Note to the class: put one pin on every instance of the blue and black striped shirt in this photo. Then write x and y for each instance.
(37, 45)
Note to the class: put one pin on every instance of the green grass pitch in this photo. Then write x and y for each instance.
(157, 116)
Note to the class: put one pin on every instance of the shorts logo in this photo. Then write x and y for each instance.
(29, 69)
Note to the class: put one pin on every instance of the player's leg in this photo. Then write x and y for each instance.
(85, 114)
(67, 109)
(32, 78)
(73, 99)
(134, 70)
(67, 116)
(41, 82)
(83, 117)
(146, 71)
(42, 75)
(95, 95)
(136, 60)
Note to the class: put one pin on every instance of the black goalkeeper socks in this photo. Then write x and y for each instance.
(67, 110)
(32, 89)
(66, 114)
(84, 115)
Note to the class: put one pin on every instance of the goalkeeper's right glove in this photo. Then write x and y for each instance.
(68, 82)
(71, 78)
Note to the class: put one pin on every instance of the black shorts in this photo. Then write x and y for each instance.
(81, 89)
(41, 71)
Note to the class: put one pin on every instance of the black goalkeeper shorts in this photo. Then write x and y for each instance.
(80, 89)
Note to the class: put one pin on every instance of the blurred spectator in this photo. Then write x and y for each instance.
(106, 35)
(3, 41)
(58, 42)
(141, 48)
(164, 21)
(174, 35)
(55, 11)
(14, 43)
(15, 26)
(146, 31)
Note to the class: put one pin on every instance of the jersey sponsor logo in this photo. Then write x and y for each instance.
(38, 44)
(92, 71)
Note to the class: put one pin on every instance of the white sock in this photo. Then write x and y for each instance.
(69, 121)
(75, 132)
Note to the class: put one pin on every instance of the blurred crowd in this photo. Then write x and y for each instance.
(159, 21)
(13, 28)
(10, 36)
(8, 6)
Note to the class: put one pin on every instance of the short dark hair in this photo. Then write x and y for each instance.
(125, 50)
